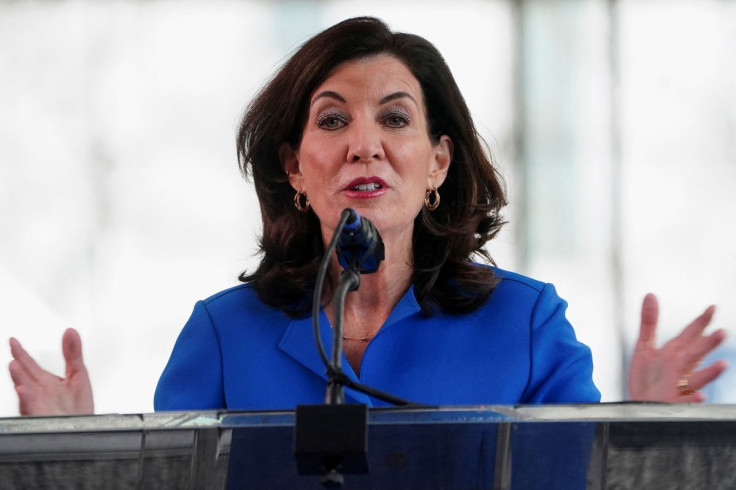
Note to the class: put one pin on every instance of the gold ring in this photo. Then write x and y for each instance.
(684, 385)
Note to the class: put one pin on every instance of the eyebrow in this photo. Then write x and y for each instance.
(397, 95)
(334, 95)
(329, 94)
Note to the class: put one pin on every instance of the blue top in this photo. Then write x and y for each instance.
(237, 353)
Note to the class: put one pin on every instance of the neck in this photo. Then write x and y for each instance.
(367, 308)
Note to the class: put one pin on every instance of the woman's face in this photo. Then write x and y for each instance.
(366, 146)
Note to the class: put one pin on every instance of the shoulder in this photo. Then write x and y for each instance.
(521, 297)
(229, 295)
(236, 297)
(516, 288)
(239, 305)
(508, 279)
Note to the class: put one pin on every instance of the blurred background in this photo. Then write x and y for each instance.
(121, 203)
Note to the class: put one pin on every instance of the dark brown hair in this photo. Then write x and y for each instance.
(445, 240)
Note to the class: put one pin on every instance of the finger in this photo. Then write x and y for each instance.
(695, 397)
(19, 375)
(701, 347)
(71, 346)
(649, 318)
(695, 328)
(702, 377)
(26, 361)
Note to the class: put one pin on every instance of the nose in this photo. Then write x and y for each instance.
(365, 143)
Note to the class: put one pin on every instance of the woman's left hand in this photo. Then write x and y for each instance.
(671, 373)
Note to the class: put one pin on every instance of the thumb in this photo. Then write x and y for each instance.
(71, 346)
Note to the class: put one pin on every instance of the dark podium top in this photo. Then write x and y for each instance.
(605, 446)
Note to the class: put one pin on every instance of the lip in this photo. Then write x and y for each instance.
(350, 192)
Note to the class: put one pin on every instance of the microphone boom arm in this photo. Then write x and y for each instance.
(349, 281)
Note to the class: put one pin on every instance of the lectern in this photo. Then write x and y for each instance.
(606, 446)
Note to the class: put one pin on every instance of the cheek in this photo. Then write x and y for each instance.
(318, 165)
(416, 162)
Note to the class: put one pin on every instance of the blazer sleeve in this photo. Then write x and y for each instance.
(192, 379)
(561, 366)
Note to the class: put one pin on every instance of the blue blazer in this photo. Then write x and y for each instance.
(237, 353)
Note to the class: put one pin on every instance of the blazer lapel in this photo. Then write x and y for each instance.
(299, 343)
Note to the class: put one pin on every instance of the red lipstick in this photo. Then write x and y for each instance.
(366, 188)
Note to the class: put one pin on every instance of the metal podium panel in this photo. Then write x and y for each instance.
(158, 451)
(652, 446)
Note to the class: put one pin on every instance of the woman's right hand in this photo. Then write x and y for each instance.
(43, 393)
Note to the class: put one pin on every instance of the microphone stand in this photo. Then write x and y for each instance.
(332, 439)
(349, 281)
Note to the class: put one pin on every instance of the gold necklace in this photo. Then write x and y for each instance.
(359, 339)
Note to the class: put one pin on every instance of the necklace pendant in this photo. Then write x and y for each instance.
(362, 339)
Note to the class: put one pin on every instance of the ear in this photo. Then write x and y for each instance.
(290, 162)
(443, 152)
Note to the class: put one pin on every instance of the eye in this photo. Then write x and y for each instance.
(331, 121)
(396, 118)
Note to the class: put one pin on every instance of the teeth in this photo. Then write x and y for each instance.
(367, 187)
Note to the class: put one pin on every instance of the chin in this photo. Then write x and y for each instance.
(383, 215)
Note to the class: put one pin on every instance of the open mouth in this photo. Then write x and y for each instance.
(372, 186)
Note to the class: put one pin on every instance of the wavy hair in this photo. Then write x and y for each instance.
(445, 241)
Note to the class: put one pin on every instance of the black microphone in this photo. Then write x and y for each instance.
(359, 246)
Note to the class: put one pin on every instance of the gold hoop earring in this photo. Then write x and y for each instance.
(303, 207)
(432, 199)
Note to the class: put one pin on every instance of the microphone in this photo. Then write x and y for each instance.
(359, 246)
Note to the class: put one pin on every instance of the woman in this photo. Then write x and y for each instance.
(365, 118)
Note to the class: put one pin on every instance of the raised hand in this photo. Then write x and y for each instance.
(43, 393)
(672, 373)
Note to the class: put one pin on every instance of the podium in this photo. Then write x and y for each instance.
(605, 446)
